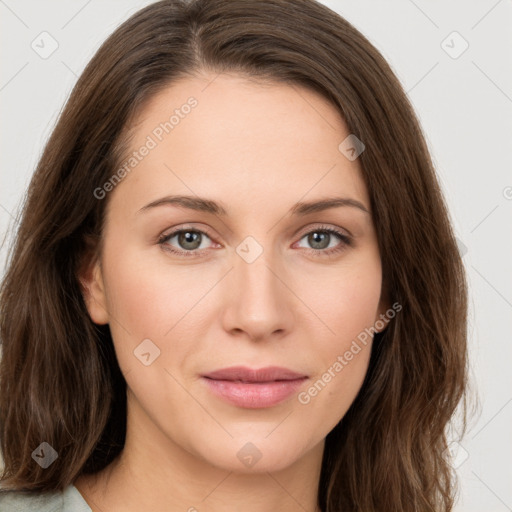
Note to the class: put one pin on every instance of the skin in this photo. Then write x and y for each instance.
(257, 149)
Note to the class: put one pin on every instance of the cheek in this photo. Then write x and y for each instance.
(342, 358)
(332, 392)
(345, 300)
(348, 307)
(152, 298)
(169, 303)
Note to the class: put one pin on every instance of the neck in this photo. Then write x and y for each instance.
(155, 473)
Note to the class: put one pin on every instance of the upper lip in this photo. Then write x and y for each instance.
(246, 374)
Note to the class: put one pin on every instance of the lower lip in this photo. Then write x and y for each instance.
(254, 395)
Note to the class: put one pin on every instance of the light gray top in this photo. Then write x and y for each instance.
(68, 500)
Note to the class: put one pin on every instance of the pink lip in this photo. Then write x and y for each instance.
(254, 389)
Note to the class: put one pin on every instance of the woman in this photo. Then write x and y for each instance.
(235, 282)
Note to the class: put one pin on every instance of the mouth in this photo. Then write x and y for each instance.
(254, 389)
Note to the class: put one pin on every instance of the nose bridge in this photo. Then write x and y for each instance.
(255, 267)
(258, 304)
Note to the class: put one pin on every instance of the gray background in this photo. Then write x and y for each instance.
(464, 101)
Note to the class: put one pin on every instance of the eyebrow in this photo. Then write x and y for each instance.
(209, 206)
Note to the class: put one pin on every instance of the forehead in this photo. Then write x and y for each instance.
(245, 141)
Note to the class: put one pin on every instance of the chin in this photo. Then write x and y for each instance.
(256, 455)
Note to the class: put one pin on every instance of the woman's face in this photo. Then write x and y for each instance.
(257, 281)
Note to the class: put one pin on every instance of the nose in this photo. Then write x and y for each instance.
(259, 305)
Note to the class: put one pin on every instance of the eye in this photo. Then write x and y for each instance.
(190, 241)
(320, 240)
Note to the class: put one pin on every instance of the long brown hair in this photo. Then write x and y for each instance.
(59, 377)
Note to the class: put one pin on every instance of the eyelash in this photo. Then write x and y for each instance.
(333, 251)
